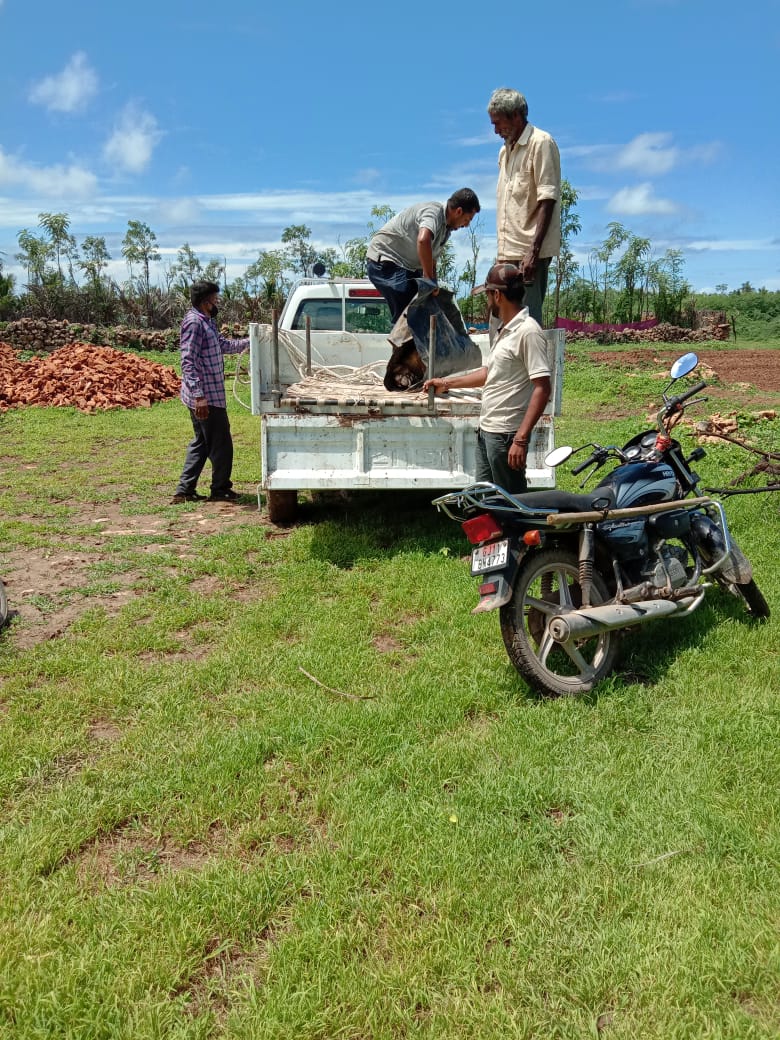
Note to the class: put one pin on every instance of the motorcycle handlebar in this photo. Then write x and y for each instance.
(676, 401)
(584, 465)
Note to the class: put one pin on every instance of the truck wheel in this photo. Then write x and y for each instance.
(282, 506)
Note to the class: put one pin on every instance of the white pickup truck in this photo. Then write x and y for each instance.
(327, 420)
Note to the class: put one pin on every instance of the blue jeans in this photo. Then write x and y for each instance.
(212, 441)
(396, 284)
(493, 462)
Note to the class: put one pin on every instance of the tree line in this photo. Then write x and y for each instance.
(621, 280)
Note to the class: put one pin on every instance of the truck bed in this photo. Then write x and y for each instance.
(324, 393)
(340, 427)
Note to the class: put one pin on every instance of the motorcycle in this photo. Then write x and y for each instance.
(569, 572)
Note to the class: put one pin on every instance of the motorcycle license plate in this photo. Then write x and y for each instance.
(490, 557)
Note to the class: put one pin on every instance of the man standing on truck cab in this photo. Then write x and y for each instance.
(203, 392)
(528, 195)
(409, 244)
(516, 381)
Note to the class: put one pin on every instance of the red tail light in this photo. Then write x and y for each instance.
(481, 528)
(364, 294)
(532, 538)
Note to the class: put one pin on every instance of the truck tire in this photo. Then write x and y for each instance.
(282, 506)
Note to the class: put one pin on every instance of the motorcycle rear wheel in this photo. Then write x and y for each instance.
(547, 584)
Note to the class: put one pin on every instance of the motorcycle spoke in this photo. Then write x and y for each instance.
(546, 647)
(565, 596)
(542, 605)
(586, 670)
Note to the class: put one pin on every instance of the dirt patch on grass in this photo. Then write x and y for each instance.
(133, 854)
(49, 589)
(759, 369)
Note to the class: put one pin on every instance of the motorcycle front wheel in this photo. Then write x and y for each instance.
(547, 585)
(751, 595)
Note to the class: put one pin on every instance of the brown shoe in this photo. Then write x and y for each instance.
(224, 496)
(179, 499)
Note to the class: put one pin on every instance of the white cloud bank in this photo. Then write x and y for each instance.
(648, 154)
(56, 182)
(130, 147)
(68, 91)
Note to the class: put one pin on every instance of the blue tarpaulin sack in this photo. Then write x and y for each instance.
(455, 351)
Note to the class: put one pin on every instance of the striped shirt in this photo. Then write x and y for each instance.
(202, 362)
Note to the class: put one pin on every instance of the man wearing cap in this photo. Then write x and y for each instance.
(203, 392)
(409, 244)
(516, 383)
(528, 195)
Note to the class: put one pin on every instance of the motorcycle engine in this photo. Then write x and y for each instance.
(670, 567)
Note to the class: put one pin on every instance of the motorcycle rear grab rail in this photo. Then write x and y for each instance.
(475, 496)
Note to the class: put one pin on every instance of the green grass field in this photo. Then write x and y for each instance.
(292, 788)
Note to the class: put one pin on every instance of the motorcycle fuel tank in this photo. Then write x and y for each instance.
(641, 484)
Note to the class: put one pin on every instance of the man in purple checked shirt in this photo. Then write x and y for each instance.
(203, 391)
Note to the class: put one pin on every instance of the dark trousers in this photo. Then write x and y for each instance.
(536, 290)
(493, 462)
(212, 441)
(396, 284)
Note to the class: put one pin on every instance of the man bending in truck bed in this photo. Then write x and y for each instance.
(409, 245)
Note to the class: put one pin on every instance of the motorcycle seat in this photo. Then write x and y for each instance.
(568, 502)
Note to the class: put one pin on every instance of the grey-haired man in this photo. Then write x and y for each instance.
(528, 195)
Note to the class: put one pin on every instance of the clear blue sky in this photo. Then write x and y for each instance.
(221, 124)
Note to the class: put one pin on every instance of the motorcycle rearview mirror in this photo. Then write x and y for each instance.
(558, 455)
(683, 365)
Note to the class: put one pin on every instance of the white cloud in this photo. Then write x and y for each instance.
(488, 137)
(69, 90)
(639, 200)
(619, 97)
(56, 181)
(369, 175)
(131, 145)
(179, 211)
(747, 245)
(649, 154)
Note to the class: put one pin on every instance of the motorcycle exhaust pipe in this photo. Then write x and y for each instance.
(590, 621)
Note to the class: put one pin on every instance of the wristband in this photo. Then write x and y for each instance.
(521, 442)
